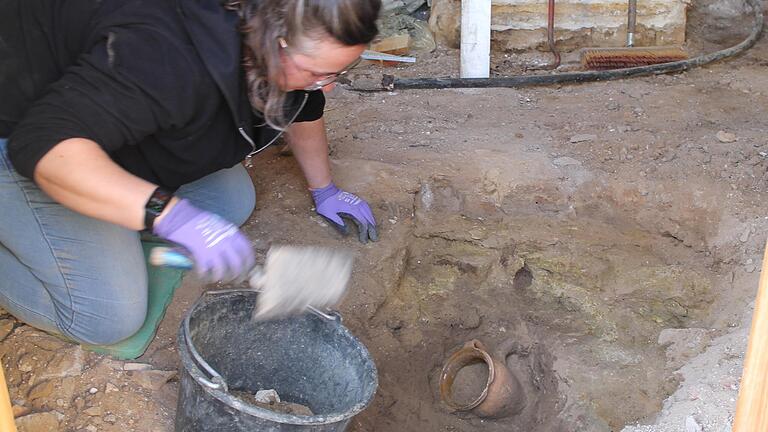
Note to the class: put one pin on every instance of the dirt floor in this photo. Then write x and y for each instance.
(607, 234)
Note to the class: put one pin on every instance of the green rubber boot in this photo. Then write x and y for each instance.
(163, 282)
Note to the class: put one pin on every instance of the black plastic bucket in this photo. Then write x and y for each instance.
(310, 359)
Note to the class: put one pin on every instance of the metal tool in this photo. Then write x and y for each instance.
(292, 280)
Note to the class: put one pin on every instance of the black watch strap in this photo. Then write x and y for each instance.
(155, 205)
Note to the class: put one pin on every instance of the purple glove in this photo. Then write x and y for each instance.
(217, 246)
(334, 204)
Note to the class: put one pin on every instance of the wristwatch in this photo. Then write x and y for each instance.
(155, 205)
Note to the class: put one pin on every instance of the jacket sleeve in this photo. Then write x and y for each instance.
(132, 83)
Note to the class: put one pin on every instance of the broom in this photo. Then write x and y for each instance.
(630, 56)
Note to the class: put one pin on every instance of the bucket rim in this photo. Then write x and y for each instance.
(195, 372)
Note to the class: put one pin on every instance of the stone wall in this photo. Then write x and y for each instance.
(522, 24)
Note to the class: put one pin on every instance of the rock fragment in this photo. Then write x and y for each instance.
(94, 411)
(726, 137)
(137, 366)
(39, 422)
(152, 379)
(6, 327)
(20, 410)
(582, 138)
(565, 161)
(42, 390)
(691, 425)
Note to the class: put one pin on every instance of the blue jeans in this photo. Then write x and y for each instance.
(81, 277)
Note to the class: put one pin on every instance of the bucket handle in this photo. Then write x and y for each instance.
(328, 315)
(216, 382)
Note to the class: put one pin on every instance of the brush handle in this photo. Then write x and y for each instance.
(170, 257)
(631, 22)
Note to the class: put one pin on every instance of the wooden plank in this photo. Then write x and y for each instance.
(7, 423)
(752, 407)
(397, 44)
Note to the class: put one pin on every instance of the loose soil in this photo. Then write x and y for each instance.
(469, 383)
(572, 224)
(282, 407)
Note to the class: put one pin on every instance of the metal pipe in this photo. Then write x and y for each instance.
(631, 22)
(551, 33)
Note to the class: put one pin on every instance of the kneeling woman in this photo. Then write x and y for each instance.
(123, 116)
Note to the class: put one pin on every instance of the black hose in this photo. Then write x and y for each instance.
(389, 82)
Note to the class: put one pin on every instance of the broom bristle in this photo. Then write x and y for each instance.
(618, 58)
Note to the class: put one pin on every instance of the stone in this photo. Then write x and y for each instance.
(6, 327)
(39, 422)
(112, 364)
(691, 425)
(582, 138)
(394, 324)
(683, 344)
(65, 364)
(91, 428)
(79, 403)
(152, 379)
(565, 161)
(26, 363)
(66, 388)
(94, 411)
(137, 366)
(20, 410)
(47, 342)
(745, 235)
(42, 390)
(111, 388)
(726, 137)
(397, 44)
(267, 396)
(110, 418)
(93, 390)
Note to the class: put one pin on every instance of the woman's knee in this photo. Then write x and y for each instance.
(109, 310)
(107, 329)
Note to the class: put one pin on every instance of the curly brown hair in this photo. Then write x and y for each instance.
(264, 22)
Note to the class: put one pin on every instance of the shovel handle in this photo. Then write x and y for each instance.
(752, 407)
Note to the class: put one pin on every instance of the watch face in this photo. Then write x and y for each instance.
(158, 201)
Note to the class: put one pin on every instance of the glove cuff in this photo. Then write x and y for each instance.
(320, 195)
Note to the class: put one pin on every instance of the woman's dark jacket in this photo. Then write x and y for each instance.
(157, 83)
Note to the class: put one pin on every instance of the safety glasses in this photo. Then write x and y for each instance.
(322, 80)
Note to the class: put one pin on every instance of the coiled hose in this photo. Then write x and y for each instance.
(390, 83)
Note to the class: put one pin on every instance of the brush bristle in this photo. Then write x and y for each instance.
(618, 58)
